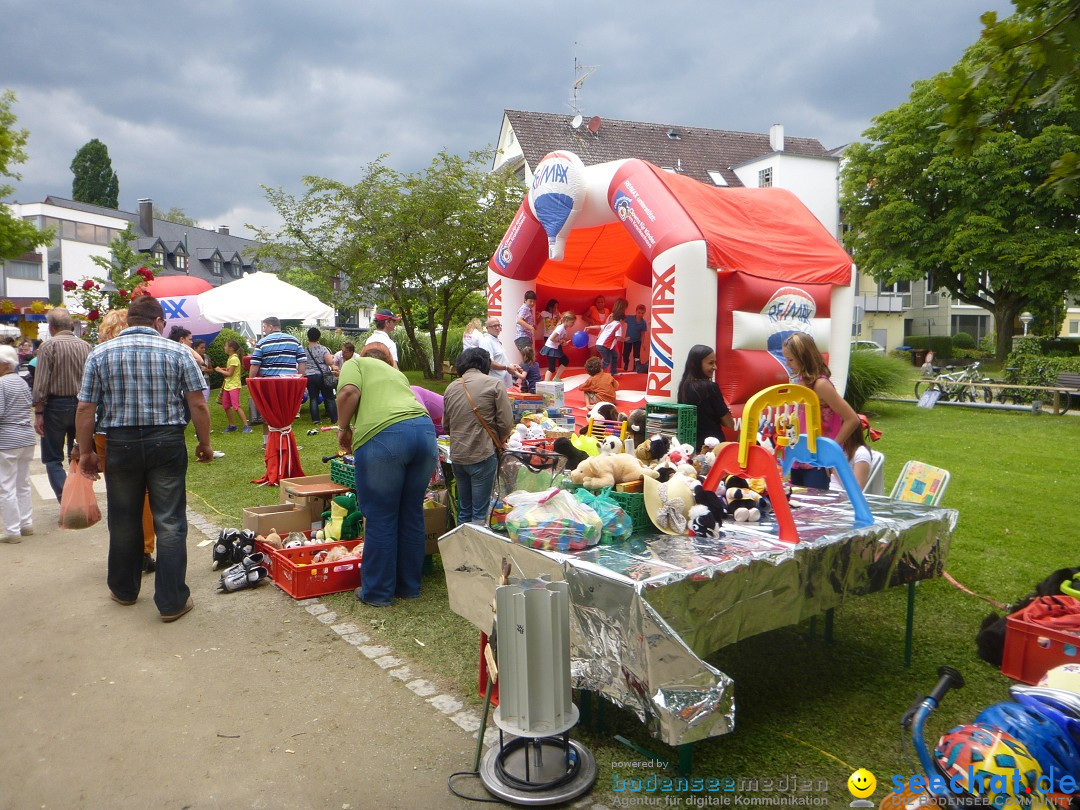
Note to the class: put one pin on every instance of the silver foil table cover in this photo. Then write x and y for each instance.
(644, 613)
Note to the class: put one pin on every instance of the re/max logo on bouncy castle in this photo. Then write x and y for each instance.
(494, 298)
(660, 331)
(787, 311)
(551, 172)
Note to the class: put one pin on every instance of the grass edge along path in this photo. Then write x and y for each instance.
(805, 709)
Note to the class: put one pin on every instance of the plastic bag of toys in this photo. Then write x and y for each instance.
(553, 521)
(617, 524)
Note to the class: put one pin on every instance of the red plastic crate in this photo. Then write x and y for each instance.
(1031, 649)
(293, 572)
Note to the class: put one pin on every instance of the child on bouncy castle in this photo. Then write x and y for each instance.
(601, 386)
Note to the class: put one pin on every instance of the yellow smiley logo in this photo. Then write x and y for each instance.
(861, 784)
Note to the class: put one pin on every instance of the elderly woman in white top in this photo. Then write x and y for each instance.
(17, 440)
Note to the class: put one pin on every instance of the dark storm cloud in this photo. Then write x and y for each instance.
(201, 102)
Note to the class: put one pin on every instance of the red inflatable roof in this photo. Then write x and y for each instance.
(764, 232)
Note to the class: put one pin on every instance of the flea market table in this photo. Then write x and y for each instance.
(645, 613)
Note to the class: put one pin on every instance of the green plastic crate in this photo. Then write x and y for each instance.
(686, 427)
(633, 503)
(342, 473)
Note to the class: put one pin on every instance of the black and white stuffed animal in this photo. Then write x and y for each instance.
(707, 513)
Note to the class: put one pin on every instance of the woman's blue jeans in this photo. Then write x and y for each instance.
(474, 483)
(393, 469)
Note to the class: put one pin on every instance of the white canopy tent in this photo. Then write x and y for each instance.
(260, 295)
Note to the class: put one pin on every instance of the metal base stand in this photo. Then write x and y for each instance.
(538, 762)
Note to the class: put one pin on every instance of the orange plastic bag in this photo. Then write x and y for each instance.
(78, 503)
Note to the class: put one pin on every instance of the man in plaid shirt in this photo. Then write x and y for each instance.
(142, 382)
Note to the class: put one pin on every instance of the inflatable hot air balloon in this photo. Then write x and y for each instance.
(179, 298)
(556, 196)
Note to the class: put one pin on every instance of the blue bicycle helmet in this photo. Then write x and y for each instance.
(1048, 742)
(1054, 713)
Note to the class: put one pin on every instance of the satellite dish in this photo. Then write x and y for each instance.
(575, 122)
(594, 124)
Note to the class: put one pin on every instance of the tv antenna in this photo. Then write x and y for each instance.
(581, 73)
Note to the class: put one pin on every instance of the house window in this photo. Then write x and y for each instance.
(764, 178)
(30, 271)
(180, 262)
(237, 269)
(900, 288)
(1074, 327)
(215, 267)
(159, 256)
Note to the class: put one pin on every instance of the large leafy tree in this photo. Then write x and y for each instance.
(16, 237)
(418, 242)
(177, 215)
(980, 224)
(1032, 57)
(95, 181)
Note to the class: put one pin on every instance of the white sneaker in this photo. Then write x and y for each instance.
(219, 454)
(10, 538)
(26, 531)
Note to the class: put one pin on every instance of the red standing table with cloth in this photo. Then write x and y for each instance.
(278, 399)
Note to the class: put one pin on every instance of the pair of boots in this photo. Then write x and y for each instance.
(232, 546)
(247, 573)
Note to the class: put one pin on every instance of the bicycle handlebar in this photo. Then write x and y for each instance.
(948, 678)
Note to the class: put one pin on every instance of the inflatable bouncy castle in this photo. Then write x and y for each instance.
(738, 269)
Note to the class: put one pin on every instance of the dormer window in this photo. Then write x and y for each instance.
(215, 266)
(180, 262)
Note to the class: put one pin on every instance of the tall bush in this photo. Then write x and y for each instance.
(870, 374)
(218, 357)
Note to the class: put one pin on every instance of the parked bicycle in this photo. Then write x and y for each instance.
(957, 385)
(1027, 396)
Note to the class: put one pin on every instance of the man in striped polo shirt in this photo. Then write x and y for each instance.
(142, 381)
(277, 354)
(56, 382)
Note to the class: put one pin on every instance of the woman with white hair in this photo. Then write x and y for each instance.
(17, 440)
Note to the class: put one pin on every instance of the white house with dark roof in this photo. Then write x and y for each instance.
(84, 231)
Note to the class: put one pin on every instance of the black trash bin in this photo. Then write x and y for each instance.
(918, 357)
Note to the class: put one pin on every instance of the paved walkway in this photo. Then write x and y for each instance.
(251, 700)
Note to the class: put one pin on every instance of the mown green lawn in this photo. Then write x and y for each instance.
(804, 707)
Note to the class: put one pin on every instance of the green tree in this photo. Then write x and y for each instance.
(16, 236)
(1032, 57)
(310, 282)
(177, 215)
(420, 241)
(980, 225)
(95, 181)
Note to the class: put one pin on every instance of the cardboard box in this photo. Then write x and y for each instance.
(299, 491)
(434, 528)
(284, 517)
(552, 392)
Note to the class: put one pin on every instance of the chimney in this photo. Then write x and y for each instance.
(776, 137)
(223, 229)
(146, 216)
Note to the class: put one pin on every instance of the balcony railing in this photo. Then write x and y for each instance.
(883, 303)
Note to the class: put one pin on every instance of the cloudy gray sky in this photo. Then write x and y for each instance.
(201, 102)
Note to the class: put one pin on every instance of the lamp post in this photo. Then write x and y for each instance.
(1026, 318)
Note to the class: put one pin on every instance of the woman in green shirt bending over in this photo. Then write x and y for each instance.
(392, 439)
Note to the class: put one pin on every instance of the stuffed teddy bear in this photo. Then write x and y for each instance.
(610, 445)
(744, 504)
(635, 426)
(707, 513)
(653, 450)
(597, 472)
